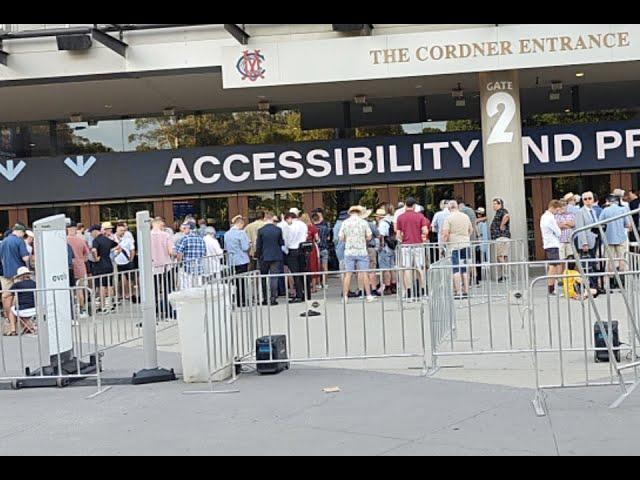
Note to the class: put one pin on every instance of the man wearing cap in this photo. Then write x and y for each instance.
(237, 245)
(102, 266)
(13, 255)
(24, 306)
(355, 232)
(387, 250)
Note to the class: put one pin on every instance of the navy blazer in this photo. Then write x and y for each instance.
(269, 244)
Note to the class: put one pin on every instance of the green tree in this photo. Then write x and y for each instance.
(223, 129)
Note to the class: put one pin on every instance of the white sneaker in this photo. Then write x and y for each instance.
(371, 298)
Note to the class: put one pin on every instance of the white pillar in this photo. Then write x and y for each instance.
(502, 147)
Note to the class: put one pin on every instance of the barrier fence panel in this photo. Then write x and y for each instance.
(564, 330)
(53, 345)
(318, 327)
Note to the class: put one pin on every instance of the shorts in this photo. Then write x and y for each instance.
(619, 250)
(503, 246)
(6, 283)
(104, 278)
(24, 313)
(566, 249)
(456, 256)
(386, 259)
(373, 258)
(355, 264)
(324, 257)
(412, 256)
(126, 267)
(552, 254)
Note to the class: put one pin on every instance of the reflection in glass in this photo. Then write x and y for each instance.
(124, 212)
(278, 203)
(70, 211)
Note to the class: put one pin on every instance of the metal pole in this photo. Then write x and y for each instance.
(151, 373)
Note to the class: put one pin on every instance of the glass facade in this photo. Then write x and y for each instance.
(276, 202)
(36, 213)
(124, 212)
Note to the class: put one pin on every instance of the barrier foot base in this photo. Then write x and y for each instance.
(153, 375)
(51, 376)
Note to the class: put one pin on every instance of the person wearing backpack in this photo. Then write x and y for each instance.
(387, 249)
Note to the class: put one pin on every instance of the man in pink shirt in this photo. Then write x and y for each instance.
(161, 259)
(412, 230)
(80, 253)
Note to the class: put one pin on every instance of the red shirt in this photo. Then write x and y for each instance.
(410, 223)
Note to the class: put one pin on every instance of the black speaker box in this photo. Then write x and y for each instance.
(599, 340)
(272, 347)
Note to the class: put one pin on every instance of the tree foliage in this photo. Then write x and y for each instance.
(242, 128)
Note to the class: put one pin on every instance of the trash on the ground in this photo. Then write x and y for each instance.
(331, 390)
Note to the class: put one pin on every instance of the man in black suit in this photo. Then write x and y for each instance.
(269, 253)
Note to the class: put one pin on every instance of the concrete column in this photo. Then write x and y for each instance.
(502, 146)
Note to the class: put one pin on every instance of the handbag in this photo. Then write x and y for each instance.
(307, 247)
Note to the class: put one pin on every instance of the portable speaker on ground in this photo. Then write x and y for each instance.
(272, 347)
(599, 340)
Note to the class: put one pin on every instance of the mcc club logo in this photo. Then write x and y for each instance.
(249, 65)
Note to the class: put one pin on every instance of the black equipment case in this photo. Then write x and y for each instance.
(599, 341)
(271, 347)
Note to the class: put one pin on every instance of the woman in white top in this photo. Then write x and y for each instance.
(214, 251)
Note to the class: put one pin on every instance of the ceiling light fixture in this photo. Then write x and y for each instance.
(457, 92)
(264, 105)
(169, 111)
(75, 117)
(360, 99)
(580, 74)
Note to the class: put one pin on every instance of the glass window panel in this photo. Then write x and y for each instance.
(216, 212)
(4, 222)
(37, 213)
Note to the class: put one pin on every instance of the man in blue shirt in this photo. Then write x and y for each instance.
(191, 251)
(617, 231)
(237, 244)
(13, 255)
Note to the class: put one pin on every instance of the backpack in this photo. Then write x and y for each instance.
(390, 240)
(375, 233)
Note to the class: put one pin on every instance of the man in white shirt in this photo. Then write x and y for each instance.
(551, 240)
(294, 235)
(124, 259)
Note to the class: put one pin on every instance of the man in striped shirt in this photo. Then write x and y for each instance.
(566, 220)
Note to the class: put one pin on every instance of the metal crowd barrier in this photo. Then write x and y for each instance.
(491, 319)
(478, 251)
(319, 329)
(564, 351)
(34, 357)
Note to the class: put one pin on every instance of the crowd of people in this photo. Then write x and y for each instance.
(577, 212)
(295, 248)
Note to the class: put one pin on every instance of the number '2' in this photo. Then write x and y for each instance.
(499, 132)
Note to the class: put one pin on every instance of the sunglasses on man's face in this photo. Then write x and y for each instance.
(587, 198)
